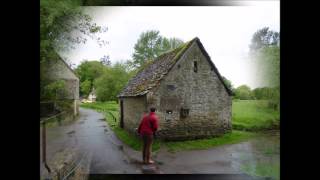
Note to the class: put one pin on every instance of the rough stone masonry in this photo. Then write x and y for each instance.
(187, 90)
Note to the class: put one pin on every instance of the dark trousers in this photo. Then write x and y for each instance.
(147, 146)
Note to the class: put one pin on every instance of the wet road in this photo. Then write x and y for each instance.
(226, 159)
(91, 134)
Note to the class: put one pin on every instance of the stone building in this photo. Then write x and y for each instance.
(92, 96)
(58, 69)
(185, 87)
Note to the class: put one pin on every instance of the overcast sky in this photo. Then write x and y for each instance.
(225, 32)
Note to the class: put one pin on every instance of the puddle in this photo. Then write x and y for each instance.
(259, 157)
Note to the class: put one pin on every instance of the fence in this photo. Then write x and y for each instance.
(50, 108)
(77, 167)
(43, 123)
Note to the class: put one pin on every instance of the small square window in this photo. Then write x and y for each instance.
(184, 112)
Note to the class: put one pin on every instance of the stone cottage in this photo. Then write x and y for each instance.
(185, 87)
(58, 69)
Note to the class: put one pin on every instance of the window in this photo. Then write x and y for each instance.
(195, 66)
(184, 112)
(171, 87)
(169, 111)
(168, 116)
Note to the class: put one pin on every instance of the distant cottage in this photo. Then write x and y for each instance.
(92, 96)
(185, 87)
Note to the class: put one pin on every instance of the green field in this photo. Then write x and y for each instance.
(254, 115)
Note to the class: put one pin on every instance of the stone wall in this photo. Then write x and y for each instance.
(133, 109)
(201, 94)
(58, 70)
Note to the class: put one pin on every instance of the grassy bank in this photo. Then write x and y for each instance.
(254, 115)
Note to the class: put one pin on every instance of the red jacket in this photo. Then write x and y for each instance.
(148, 124)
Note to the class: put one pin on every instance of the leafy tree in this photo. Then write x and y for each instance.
(85, 87)
(150, 45)
(268, 61)
(265, 51)
(62, 25)
(87, 72)
(243, 92)
(109, 85)
(147, 47)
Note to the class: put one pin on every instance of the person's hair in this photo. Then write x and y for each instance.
(152, 109)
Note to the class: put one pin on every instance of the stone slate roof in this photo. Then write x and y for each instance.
(151, 75)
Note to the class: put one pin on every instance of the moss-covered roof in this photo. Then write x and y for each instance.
(154, 71)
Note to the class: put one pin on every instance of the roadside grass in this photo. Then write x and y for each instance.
(254, 115)
(228, 138)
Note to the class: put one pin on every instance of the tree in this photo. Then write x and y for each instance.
(228, 83)
(85, 87)
(168, 44)
(264, 38)
(243, 92)
(265, 51)
(87, 72)
(147, 47)
(109, 85)
(105, 60)
(150, 45)
(268, 61)
(62, 25)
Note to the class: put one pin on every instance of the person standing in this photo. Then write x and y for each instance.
(147, 128)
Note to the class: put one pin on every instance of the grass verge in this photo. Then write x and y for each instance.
(254, 115)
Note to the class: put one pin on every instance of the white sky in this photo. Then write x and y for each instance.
(225, 32)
